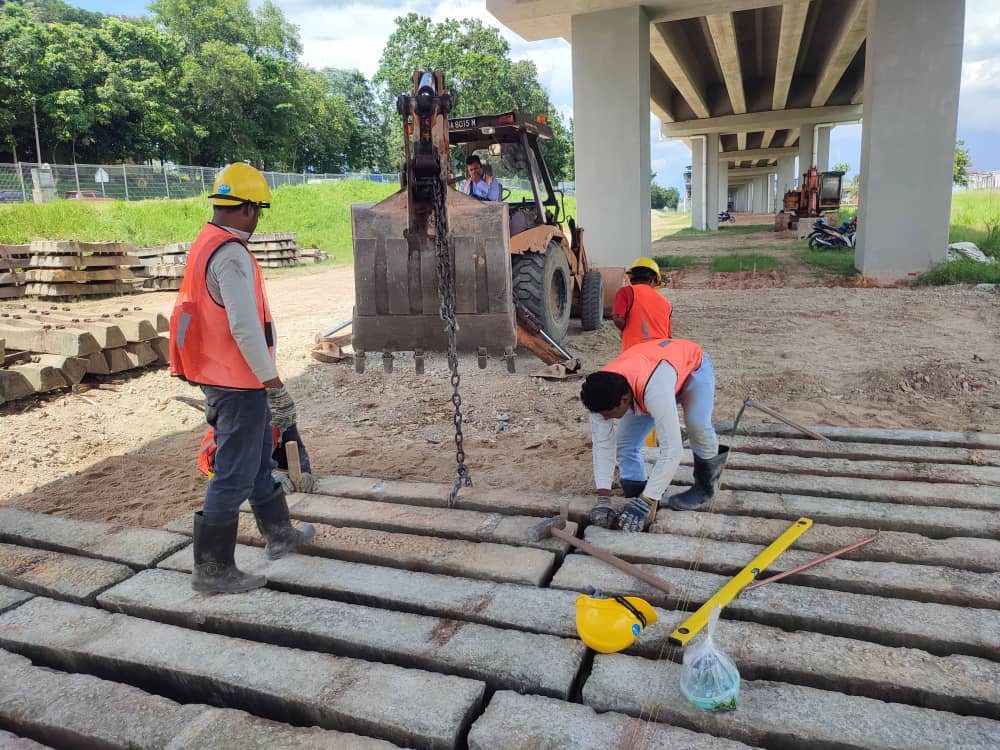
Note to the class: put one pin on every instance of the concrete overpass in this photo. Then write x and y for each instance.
(752, 83)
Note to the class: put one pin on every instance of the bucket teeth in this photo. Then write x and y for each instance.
(387, 362)
(418, 361)
(359, 361)
(511, 359)
(482, 357)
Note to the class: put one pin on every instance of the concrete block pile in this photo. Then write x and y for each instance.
(408, 624)
(161, 268)
(275, 249)
(52, 348)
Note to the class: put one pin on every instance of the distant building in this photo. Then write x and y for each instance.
(984, 180)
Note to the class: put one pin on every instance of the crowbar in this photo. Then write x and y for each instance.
(817, 561)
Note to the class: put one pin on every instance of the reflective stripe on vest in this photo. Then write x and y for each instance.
(647, 319)
(202, 349)
(638, 363)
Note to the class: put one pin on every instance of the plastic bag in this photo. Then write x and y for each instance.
(709, 678)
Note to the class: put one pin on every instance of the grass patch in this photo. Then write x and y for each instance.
(320, 214)
(750, 262)
(975, 217)
(674, 262)
(963, 271)
(689, 233)
(840, 262)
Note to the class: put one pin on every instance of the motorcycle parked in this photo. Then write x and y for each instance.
(826, 237)
(725, 216)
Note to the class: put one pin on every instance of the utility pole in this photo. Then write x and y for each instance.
(38, 145)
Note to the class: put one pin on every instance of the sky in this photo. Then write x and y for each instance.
(351, 34)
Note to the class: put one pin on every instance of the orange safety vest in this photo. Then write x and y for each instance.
(202, 350)
(638, 364)
(647, 318)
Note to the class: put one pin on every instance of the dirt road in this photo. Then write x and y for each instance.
(918, 358)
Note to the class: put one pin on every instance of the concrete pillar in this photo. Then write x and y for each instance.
(705, 169)
(698, 184)
(822, 145)
(712, 170)
(723, 187)
(611, 95)
(786, 176)
(806, 133)
(760, 194)
(913, 67)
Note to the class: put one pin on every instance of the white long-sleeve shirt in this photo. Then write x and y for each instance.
(230, 281)
(661, 403)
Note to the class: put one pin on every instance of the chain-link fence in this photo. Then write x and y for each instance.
(140, 182)
(133, 182)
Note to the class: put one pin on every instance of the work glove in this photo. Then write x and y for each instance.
(282, 408)
(638, 514)
(307, 483)
(604, 514)
(284, 480)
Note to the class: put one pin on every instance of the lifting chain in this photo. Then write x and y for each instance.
(446, 292)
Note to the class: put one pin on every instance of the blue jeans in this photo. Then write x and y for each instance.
(697, 398)
(243, 462)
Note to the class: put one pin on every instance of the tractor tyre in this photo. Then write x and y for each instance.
(592, 301)
(542, 283)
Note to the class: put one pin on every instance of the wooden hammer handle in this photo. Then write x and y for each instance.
(294, 465)
(612, 560)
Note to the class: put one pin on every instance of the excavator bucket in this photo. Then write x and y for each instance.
(397, 304)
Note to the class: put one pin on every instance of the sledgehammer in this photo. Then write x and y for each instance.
(554, 527)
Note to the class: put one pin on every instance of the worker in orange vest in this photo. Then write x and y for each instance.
(640, 312)
(222, 338)
(634, 393)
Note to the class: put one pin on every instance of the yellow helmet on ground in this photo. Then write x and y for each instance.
(240, 183)
(608, 625)
(648, 263)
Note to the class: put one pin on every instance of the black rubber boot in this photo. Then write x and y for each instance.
(706, 479)
(215, 570)
(275, 524)
(632, 487)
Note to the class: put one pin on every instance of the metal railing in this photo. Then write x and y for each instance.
(133, 182)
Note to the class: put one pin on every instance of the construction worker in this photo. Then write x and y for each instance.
(639, 311)
(634, 393)
(475, 185)
(222, 338)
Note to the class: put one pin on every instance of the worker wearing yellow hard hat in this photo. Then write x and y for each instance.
(640, 312)
(240, 184)
(610, 624)
(222, 338)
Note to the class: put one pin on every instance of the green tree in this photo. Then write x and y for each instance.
(842, 167)
(479, 75)
(960, 175)
(368, 139)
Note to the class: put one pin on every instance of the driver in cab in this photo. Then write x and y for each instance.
(476, 185)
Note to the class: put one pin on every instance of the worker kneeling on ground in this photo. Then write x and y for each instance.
(634, 393)
(222, 338)
(640, 312)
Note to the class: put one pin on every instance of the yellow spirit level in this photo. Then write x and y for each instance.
(738, 582)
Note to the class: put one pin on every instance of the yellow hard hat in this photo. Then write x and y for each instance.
(240, 183)
(649, 263)
(608, 625)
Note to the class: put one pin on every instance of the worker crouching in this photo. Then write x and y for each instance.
(222, 339)
(633, 394)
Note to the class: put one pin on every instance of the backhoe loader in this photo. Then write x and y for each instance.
(497, 264)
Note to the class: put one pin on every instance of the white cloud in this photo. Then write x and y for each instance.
(351, 34)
